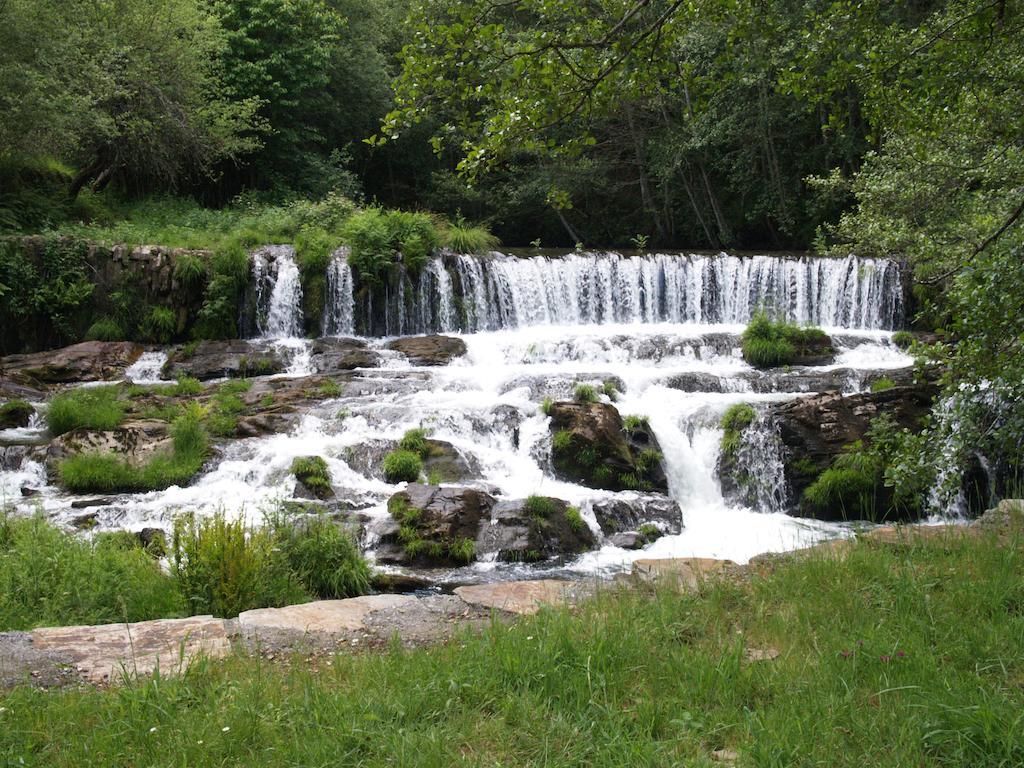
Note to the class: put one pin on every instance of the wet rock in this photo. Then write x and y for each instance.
(133, 441)
(399, 583)
(444, 463)
(216, 359)
(590, 445)
(16, 413)
(334, 355)
(28, 493)
(429, 350)
(368, 458)
(695, 381)
(11, 457)
(515, 533)
(628, 540)
(88, 361)
(682, 572)
(261, 424)
(153, 540)
(815, 430)
(100, 501)
(1006, 518)
(85, 522)
(618, 515)
(436, 526)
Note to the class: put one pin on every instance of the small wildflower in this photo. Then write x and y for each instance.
(200, 742)
(153, 729)
(900, 654)
(846, 654)
(529, 637)
(885, 657)
(225, 729)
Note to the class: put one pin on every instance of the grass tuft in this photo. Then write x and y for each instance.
(402, 466)
(88, 407)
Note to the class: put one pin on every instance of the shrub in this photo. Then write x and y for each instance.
(223, 567)
(585, 393)
(540, 506)
(51, 578)
(461, 237)
(377, 239)
(903, 339)
(881, 385)
(15, 413)
(89, 407)
(189, 271)
(323, 557)
(766, 343)
(402, 466)
(105, 329)
(187, 386)
(414, 440)
(159, 326)
(575, 519)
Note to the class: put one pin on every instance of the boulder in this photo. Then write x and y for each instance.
(88, 361)
(621, 515)
(515, 534)
(133, 441)
(436, 526)
(332, 355)
(16, 413)
(591, 446)
(216, 359)
(429, 350)
(447, 463)
(815, 430)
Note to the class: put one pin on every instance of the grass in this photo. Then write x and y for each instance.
(737, 417)
(633, 423)
(49, 577)
(107, 473)
(88, 407)
(610, 389)
(402, 466)
(881, 385)
(329, 388)
(903, 339)
(846, 490)
(540, 506)
(415, 441)
(312, 471)
(546, 406)
(15, 413)
(574, 518)
(585, 393)
(769, 343)
(461, 237)
(105, 329)
(895, 656)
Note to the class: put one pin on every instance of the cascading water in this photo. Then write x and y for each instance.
(479, 293)
(758, 462)
(278, 292)
(339, 312)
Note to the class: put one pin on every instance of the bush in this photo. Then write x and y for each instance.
(766, 343)
(89, 407)
(105, 329)
(378, 238)
(540, 506)
(324, 558)
(223, 567)
(15, 413)
(51, 578)
(585, 393)
(402, 466)
(159, 326)
(461, 237)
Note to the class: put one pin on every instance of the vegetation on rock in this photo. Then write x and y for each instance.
(768, 343)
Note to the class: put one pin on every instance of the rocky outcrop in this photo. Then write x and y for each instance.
(521, 531)
(429, 350)
(591, 445)
(88, 361)
(815, 430)
(336, 355)
(16, 413)
(215, 359)
(435, 526)
(626, 515)
(441, 460)
(133, 441)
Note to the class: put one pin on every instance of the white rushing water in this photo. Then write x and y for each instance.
(278, 292)
(493, 292)
(339, 312)
(487, 405)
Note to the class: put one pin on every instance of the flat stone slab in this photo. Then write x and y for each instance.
(523, 597)
(899, 534)
(102, 653)
(322, 616)
(685, 572)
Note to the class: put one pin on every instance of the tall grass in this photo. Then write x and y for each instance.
(893, 656)
(48, 577)
(767, 343)
(89, 407)
(462, 237)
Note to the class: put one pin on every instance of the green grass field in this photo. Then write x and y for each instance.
(895, 656)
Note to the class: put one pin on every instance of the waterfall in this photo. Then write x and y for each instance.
(339, 309)
(278, 292)
(759, 468)
(480, 293)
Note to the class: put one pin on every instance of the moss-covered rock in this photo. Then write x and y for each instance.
(16, 413)
(592, 445)
(435, 526)
(313, 478)
(537, 528)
